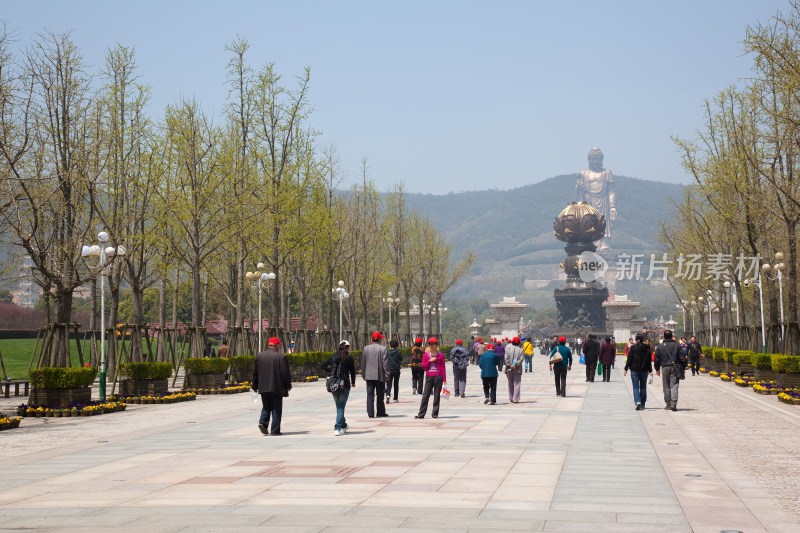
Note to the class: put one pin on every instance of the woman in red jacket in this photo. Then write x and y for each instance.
(435, 376)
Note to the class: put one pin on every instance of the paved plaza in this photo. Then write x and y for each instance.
(727, 460)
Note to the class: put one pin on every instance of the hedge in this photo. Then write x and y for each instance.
(762, 361)
(205, 365)
(785, 363)
(727, 355)
(246, 362)
(148, 370)
(62, 378)
(742, 358)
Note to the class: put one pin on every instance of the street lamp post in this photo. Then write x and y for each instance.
(439, 311)
(102, 251)
(682, 305)
(391, 302)
(778, 268)
(709, 301)
(261, 277)
(758, 284)
(341, 294)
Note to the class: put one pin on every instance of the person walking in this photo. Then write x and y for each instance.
(435, 376)
(591, 352)
(608, 352)
(500, 350)
(527, 355)
(342, 365)
(460, 359)
(668, 360)
(513, 369)
(394, 362)
(223, 350)
(271, 379)
(417, 374)
(374, 372)
(480, 347)
(641, 366)
(488, 364)
(560, 364)
(695, 353)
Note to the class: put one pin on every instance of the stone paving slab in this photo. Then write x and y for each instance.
(587, 462)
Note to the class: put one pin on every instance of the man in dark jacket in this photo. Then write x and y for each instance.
(374, 372)
(272, 380)
(641, 366)
(667, 360)
(591, 352)
(695, 353)
(460, 359)
(608, 352)
(394, 362)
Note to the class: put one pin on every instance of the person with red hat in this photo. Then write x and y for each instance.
(478, 348)
(374, 371)
(435, 377)
(488, 364)
(460, 359)
(513, 362)
(417, 374)
(560, 364)
(271, 379)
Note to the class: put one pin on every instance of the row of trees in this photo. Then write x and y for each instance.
(195, 200)
(746, 197)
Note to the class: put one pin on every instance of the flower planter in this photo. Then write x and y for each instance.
(788, 380)
(207, 381)
(143, 387)
(60, 397)
(764, 375)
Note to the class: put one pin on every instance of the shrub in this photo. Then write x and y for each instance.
(148, 370)
(727, 354)
(710, 351)
(742, 358)
(785, 363)
(762, 361)
(62, 378)
(205, 365)
(242, 362)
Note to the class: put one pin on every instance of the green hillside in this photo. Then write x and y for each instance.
(511, 232)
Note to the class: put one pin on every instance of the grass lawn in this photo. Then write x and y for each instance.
(17, 355)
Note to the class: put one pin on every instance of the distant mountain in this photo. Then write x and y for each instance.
(511, 232)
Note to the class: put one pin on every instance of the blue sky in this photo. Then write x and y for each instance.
(446, 95)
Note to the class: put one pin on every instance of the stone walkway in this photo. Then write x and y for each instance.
(587, 462)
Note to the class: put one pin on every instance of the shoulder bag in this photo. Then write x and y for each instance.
(334, 382)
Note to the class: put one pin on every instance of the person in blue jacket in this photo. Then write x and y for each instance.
(488, 363)
(560, 368)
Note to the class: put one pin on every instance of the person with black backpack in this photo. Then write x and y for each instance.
(341, 370)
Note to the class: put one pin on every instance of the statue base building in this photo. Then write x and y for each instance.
(620, 312)
(509, 313)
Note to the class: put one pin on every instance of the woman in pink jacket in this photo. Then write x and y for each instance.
(435, 376)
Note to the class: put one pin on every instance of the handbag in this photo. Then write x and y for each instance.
(335, 383)
(556, 358)
(599, 369)
(680, 371)
(582, 359)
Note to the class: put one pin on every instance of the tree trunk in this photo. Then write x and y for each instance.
(161, 351)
